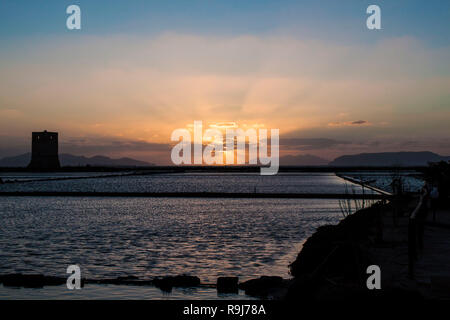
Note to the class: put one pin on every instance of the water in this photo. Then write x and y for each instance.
(157, 236)
(148, 237)
(116, 292)
(281, 183)
(411, 180)
(27, 176)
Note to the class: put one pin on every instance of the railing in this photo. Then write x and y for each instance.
(363, 184)
(415, 232)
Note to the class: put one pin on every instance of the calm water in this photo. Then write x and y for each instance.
(115, 292)
(301, 183)
(411, 181)
(25, 176)
(148, 237)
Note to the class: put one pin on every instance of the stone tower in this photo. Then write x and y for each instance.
(44, 150)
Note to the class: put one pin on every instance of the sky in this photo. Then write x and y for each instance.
(137, 70)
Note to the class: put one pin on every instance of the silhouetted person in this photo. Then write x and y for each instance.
(425, 191)
(434, 198)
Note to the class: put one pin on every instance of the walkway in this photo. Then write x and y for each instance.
(432, 271)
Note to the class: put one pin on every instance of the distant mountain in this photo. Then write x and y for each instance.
(389, 159)
(69, 160)
(302, 160)
(16, 161)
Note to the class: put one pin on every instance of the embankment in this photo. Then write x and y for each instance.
(333, 262)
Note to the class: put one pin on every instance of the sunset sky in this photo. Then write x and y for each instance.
(137, 70)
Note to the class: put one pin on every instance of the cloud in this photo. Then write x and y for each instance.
(349, 123)
(360, 122)
(224, 125)
(143, 87)
(110, 145)
(309, 144)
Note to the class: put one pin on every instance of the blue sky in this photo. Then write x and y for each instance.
(333, 20)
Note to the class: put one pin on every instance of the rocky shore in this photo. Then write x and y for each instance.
(272, 287)
(333, 262)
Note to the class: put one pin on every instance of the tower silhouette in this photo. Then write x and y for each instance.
(44, 150)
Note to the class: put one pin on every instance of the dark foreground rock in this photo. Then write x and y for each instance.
(339, 246)
(39, 281)
(335, 257)
(332, 264)
(30, 280)
(227, 285)
(264, 286)
(167, 283)
(127, 280)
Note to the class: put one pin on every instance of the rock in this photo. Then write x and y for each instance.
(30, 280)
(262, 286)
(227, 284)
(343, 242)
(302, 288)
(167, 283)
(126, 280)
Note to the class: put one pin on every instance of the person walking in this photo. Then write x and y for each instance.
(434, 198)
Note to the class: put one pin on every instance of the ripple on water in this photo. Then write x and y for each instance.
(111, 237)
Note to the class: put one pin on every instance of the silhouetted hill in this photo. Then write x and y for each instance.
(69, 160)
(302, 160)
(389, 159)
